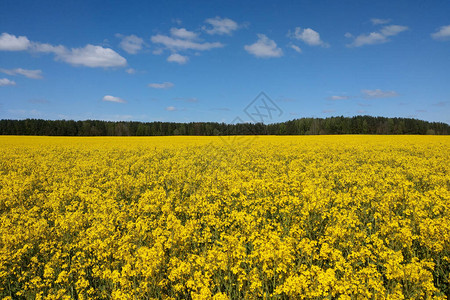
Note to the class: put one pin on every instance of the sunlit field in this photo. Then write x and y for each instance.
(298, 217)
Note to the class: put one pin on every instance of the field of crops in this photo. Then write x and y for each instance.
(300, 217)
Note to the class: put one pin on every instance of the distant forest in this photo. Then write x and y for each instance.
(303, 126)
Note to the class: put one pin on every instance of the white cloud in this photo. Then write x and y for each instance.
(220, 26)
(378, 37)
(308, 36)
(348, 35)
(442, 34)
(264, 47)
(182, 33)
(33, 74)
(90, 55)
(171, 108)
(376, 21)
(110, 98)
(132, 44)
(368, 39)
(164, 85)
(93, 56)
(9, 42)
(175, 57)
(181, 40)
(6, 81)
(130, 71)
(182, 44)
(47, 48)
(392, 30)
(372, 94)
(338, 97)
(296, 48)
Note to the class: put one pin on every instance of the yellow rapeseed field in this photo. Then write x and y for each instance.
(299, 217)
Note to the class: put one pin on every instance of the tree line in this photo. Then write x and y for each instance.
(303, 126)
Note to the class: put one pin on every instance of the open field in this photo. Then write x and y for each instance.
(313, 217)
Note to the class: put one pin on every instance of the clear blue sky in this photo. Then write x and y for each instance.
(189, 61)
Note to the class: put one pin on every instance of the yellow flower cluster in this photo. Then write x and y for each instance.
(300, 217)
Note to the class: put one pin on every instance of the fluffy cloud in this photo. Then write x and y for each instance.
(47, 48)
(392, 30)
(164, 85)
(376, 21)
(378, 37)
(175, 57)
(92, 56)
(368, 39)
(220, 26)
(130, 71)
(9, 42)
(6, 81)
(442, 34)
(182, 33)
(308, 36)
(180, 40)
(171, 108)
(183, 44)
(89, 56)
(110, 98)
(33, 74)
(296, 48)
(131, 44)
(264, 47)
(372, 94)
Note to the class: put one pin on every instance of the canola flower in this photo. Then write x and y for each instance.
(299, 217)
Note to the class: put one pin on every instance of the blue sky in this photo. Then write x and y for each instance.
(207, 60)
